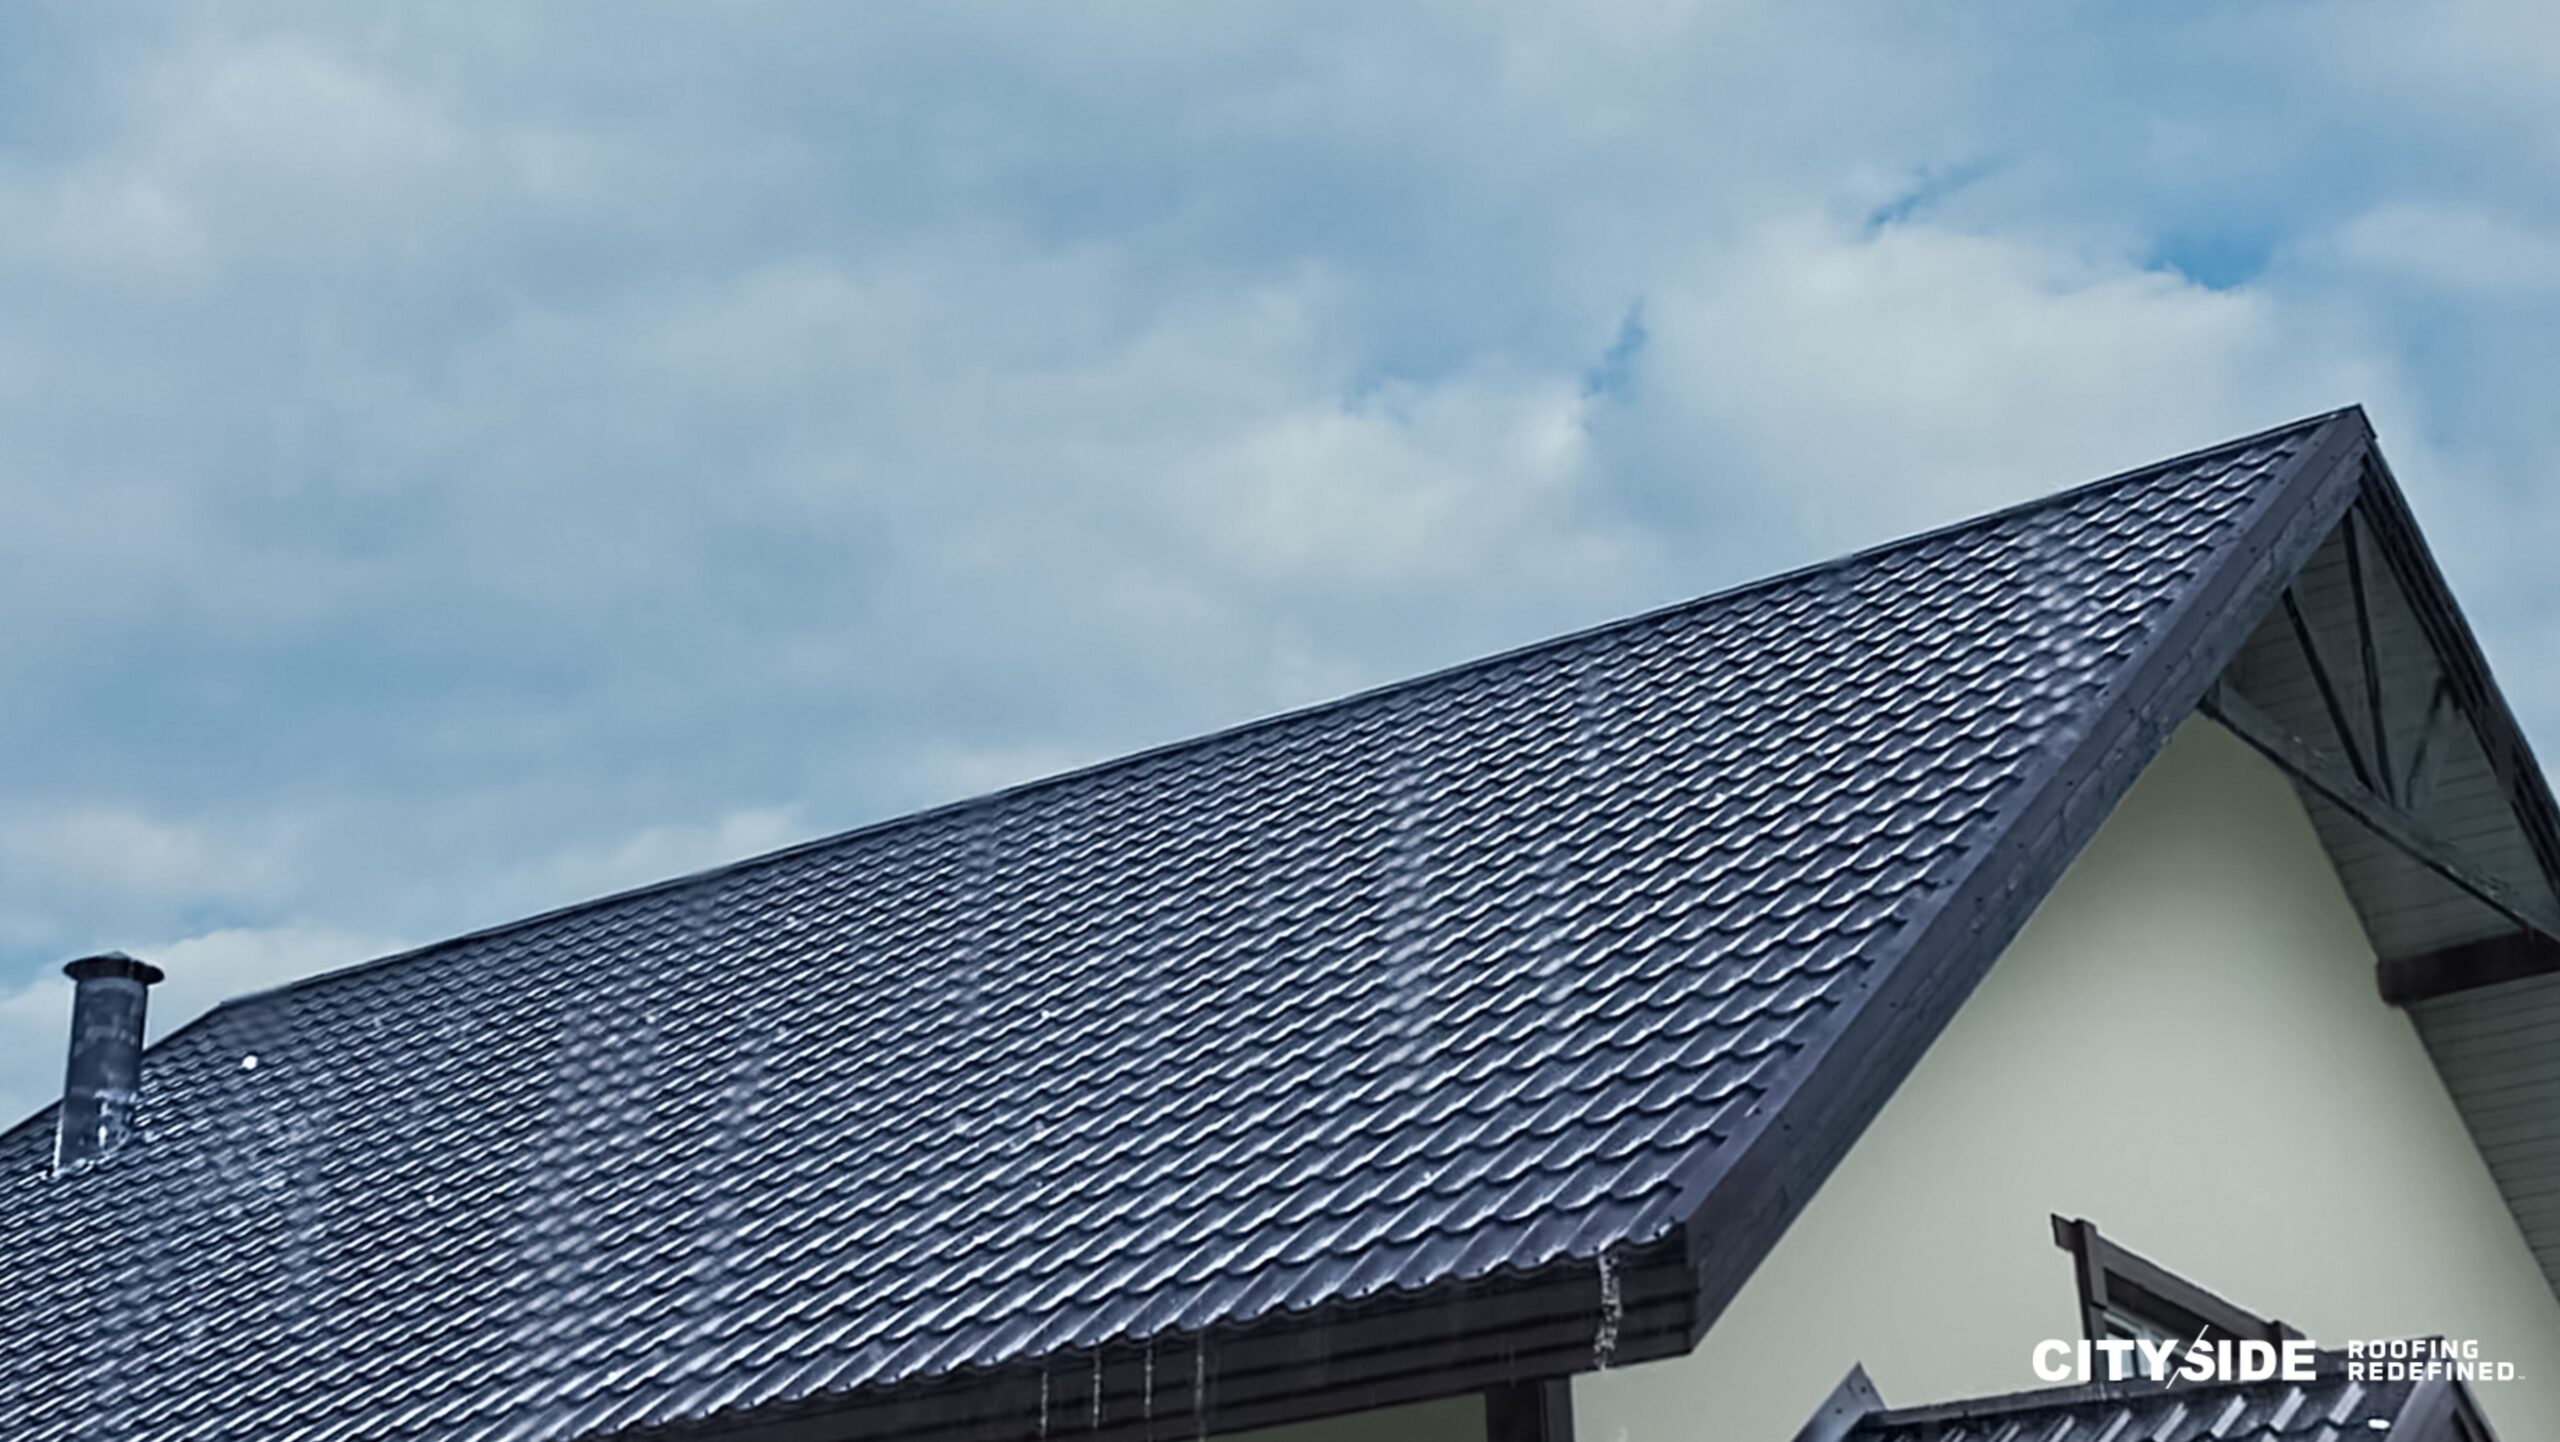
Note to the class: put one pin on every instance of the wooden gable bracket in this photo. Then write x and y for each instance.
(2532, 950)
(2367, 754)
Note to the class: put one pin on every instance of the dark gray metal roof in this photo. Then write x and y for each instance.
(2331, 1408)
(1533, 995)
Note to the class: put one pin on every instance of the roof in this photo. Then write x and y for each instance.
(2335, 1406)
(1497, 1020)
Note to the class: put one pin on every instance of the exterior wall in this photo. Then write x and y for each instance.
(2185, 1046)
(1451, 1419)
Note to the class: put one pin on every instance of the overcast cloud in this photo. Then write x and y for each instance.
(455, 460)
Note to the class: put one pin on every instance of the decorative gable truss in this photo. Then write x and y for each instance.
(2367, 687)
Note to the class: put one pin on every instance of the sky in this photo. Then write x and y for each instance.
(456, 460)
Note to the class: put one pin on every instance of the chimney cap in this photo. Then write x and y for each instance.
(114, 964)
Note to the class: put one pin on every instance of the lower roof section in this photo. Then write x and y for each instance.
(2336, 1405)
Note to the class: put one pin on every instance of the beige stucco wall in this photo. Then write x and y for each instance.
(2184, 1046)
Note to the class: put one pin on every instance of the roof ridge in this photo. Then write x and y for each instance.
(991, 799)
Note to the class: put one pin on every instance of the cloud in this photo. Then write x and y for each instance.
(35, 1029)
(656, 853)
(116, 853)
(202, 970)
(2460, 249)
(1871, 382)
(136, 858)
(453, 463)
(214, 966)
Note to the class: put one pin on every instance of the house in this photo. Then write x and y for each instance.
(2127, 914)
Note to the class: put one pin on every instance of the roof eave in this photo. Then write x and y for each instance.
(1384, 1351)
